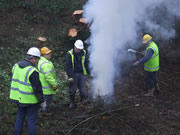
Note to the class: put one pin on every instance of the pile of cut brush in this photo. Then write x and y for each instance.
(93, 118)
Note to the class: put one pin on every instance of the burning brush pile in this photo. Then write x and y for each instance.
(95, 118)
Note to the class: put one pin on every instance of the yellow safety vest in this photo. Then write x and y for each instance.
(152, 64)
(83, 61)
(21, 89)
(47, 74)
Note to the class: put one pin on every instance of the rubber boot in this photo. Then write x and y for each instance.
(82, 98)
(157, 88)
(72, 104)
(150, 92)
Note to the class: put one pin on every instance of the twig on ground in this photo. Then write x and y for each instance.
(164, 83)
(98, 116)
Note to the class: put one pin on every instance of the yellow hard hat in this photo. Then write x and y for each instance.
(45, 50)
(146, 38)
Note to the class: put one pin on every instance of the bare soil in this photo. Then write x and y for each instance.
(131, 113)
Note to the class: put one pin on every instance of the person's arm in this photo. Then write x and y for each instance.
(147, 57)
(49, 75)
(36, 85)
(69, 67)
(87, 63)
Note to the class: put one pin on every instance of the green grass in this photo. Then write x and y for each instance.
(22, 22)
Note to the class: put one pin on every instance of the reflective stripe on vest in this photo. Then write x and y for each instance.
(47, 88)
(47, 71)
(21, 89)
(153, 63)
(82, 58)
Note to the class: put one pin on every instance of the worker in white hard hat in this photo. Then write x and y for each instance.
(47, 78)
(151, 64)
(77, 69)
(26, 91)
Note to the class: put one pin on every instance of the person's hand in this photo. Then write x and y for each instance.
(55, 88)
(71, 80)
(91, 76)
(136, 63)
(41, 100)
(43, 105)
(143, 52)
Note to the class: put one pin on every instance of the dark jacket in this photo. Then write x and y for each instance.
(147, 57)
(77, 63)
(34, 80)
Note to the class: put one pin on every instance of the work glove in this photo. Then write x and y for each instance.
(136, 63)
(90, 76)
(71, 80)
(143, 52)
(55, 88)
(41, 99)
(43, 105)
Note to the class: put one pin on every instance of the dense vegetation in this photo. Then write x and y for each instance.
(23, 21)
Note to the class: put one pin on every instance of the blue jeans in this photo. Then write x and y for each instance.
(151, 79)
(32, 113)
(79, 83)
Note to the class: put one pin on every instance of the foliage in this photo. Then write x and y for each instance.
(41, 11)
(22, 21)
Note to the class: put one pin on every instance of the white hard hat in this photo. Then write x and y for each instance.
(34, 51)
(79, 44)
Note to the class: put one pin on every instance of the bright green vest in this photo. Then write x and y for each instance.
(47, 71)
(83, 60)
(21, 89)
(152, 64)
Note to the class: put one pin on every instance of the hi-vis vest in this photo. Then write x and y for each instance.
(21, 89)
(47, 74)
(152, 64)
(83, 60)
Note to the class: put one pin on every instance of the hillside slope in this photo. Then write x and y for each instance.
(131, 114)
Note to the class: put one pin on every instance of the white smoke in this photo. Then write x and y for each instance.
(114, 24)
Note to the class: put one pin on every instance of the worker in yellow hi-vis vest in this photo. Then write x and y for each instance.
(47, 77)
(151, 64)
(77, 69)
(26, 91)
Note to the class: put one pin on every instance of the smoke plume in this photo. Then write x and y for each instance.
(116, 24)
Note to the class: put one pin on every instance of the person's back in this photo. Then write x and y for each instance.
(26, 91)
(21, 84)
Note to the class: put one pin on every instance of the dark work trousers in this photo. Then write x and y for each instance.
(32, 114)
(151, 80)
(79, 83)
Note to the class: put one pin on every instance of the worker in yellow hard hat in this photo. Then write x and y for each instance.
(151, 64)
(47, 77)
